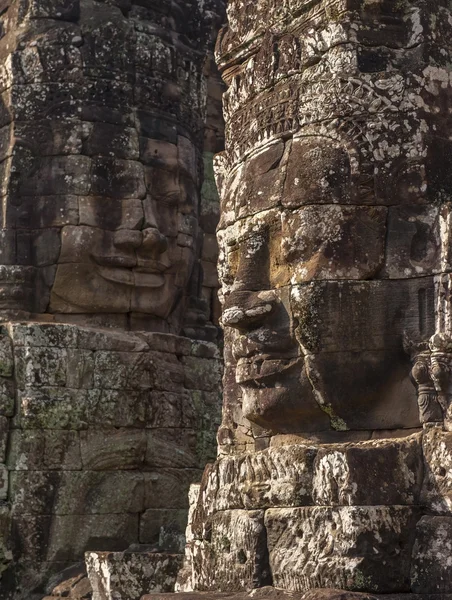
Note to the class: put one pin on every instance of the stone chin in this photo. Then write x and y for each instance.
(283, 403)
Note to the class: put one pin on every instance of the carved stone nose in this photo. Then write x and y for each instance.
(128, 239)
(248, 310)
(154, 241)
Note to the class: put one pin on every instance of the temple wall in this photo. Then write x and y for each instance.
(102, 434)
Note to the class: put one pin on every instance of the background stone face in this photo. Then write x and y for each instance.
(107, 110)
(334, 214)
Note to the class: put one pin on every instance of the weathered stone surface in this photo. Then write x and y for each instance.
(164, 529)
(329, 547)
(173, 448)
(265, 593)
(113, 449)
(347, 475)
(437, 485)
(274, 477)
(124, 575)
(169, 487)
(72, 582)
(41, 450)
(100, 454)
(233, 556)
(431, 571)
(77, 492)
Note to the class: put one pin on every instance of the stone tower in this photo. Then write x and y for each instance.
(335, 454)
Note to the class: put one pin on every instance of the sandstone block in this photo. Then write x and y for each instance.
(378, 317)
(4, 433)
(413, 246)
(117, 178)
(30, 536)
(210, 248)
(53, 176)
(53, 408)
(77, 492)
(431, 571)
(111, 213)
(7, 397)
(72, 535)
(80, 369)
(357, 548)
(40, 248)
(47, 211)
(169, 410)
(210, 274)
(121, 141)
(234, 554)
(166, 487)
(113, 449)
(168, 343)
(175, 448)
(129, 575)
(44, 335)
(37, 367)
(201, 374)
(164, 529)
(117, 408)
(112, 341)
(4, 484)
(206, 407)
(314, 252)
(274, 477)
(123, 370)
(437, 484)
(56, 138)
(347, 475)
(42, 450)
(6, 355)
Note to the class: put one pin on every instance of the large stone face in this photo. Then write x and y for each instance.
(108, 110)
(104, 106)
(335, 203)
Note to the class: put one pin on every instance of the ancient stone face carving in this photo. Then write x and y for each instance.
(334, 216)
(125, 256)
(318, 325)
(101, 164)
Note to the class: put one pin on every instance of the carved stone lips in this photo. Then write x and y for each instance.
(259, 370)
(118, 269)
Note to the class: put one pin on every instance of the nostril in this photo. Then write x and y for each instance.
(127, 238)
(154, 240)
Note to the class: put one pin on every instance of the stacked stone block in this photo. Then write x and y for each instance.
(310, 516)
(103, 433)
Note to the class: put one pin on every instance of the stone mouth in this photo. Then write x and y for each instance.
(132, 277)
(262, 370)
(124, 270)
